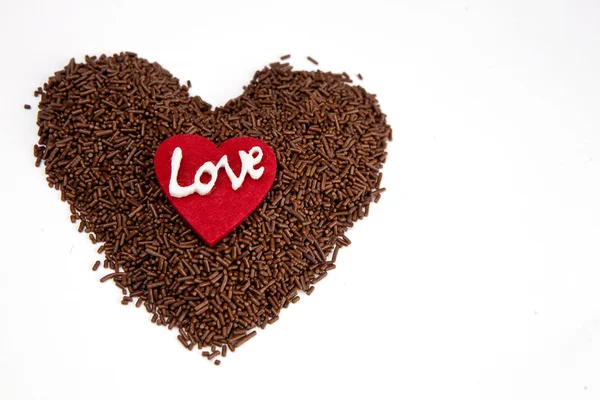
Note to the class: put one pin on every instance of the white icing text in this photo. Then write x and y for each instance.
(249, 161)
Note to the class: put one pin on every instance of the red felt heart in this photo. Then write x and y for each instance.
(214, 214)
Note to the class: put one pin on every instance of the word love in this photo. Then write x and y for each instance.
(249, 161)
(214, 207)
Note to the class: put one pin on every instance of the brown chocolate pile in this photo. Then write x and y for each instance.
(100, 123)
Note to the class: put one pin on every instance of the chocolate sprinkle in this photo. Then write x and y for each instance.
(312, 60)
(100, 122)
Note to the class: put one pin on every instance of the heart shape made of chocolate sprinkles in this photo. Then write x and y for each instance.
(100, 123)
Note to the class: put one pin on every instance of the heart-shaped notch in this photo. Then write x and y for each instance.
(214, 188)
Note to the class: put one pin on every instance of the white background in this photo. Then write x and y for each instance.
(477, 276)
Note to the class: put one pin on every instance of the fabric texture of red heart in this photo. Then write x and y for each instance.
(214, 215)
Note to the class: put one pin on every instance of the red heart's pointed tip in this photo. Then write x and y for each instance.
(212, 243)
(211, 240)
(215, 207)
